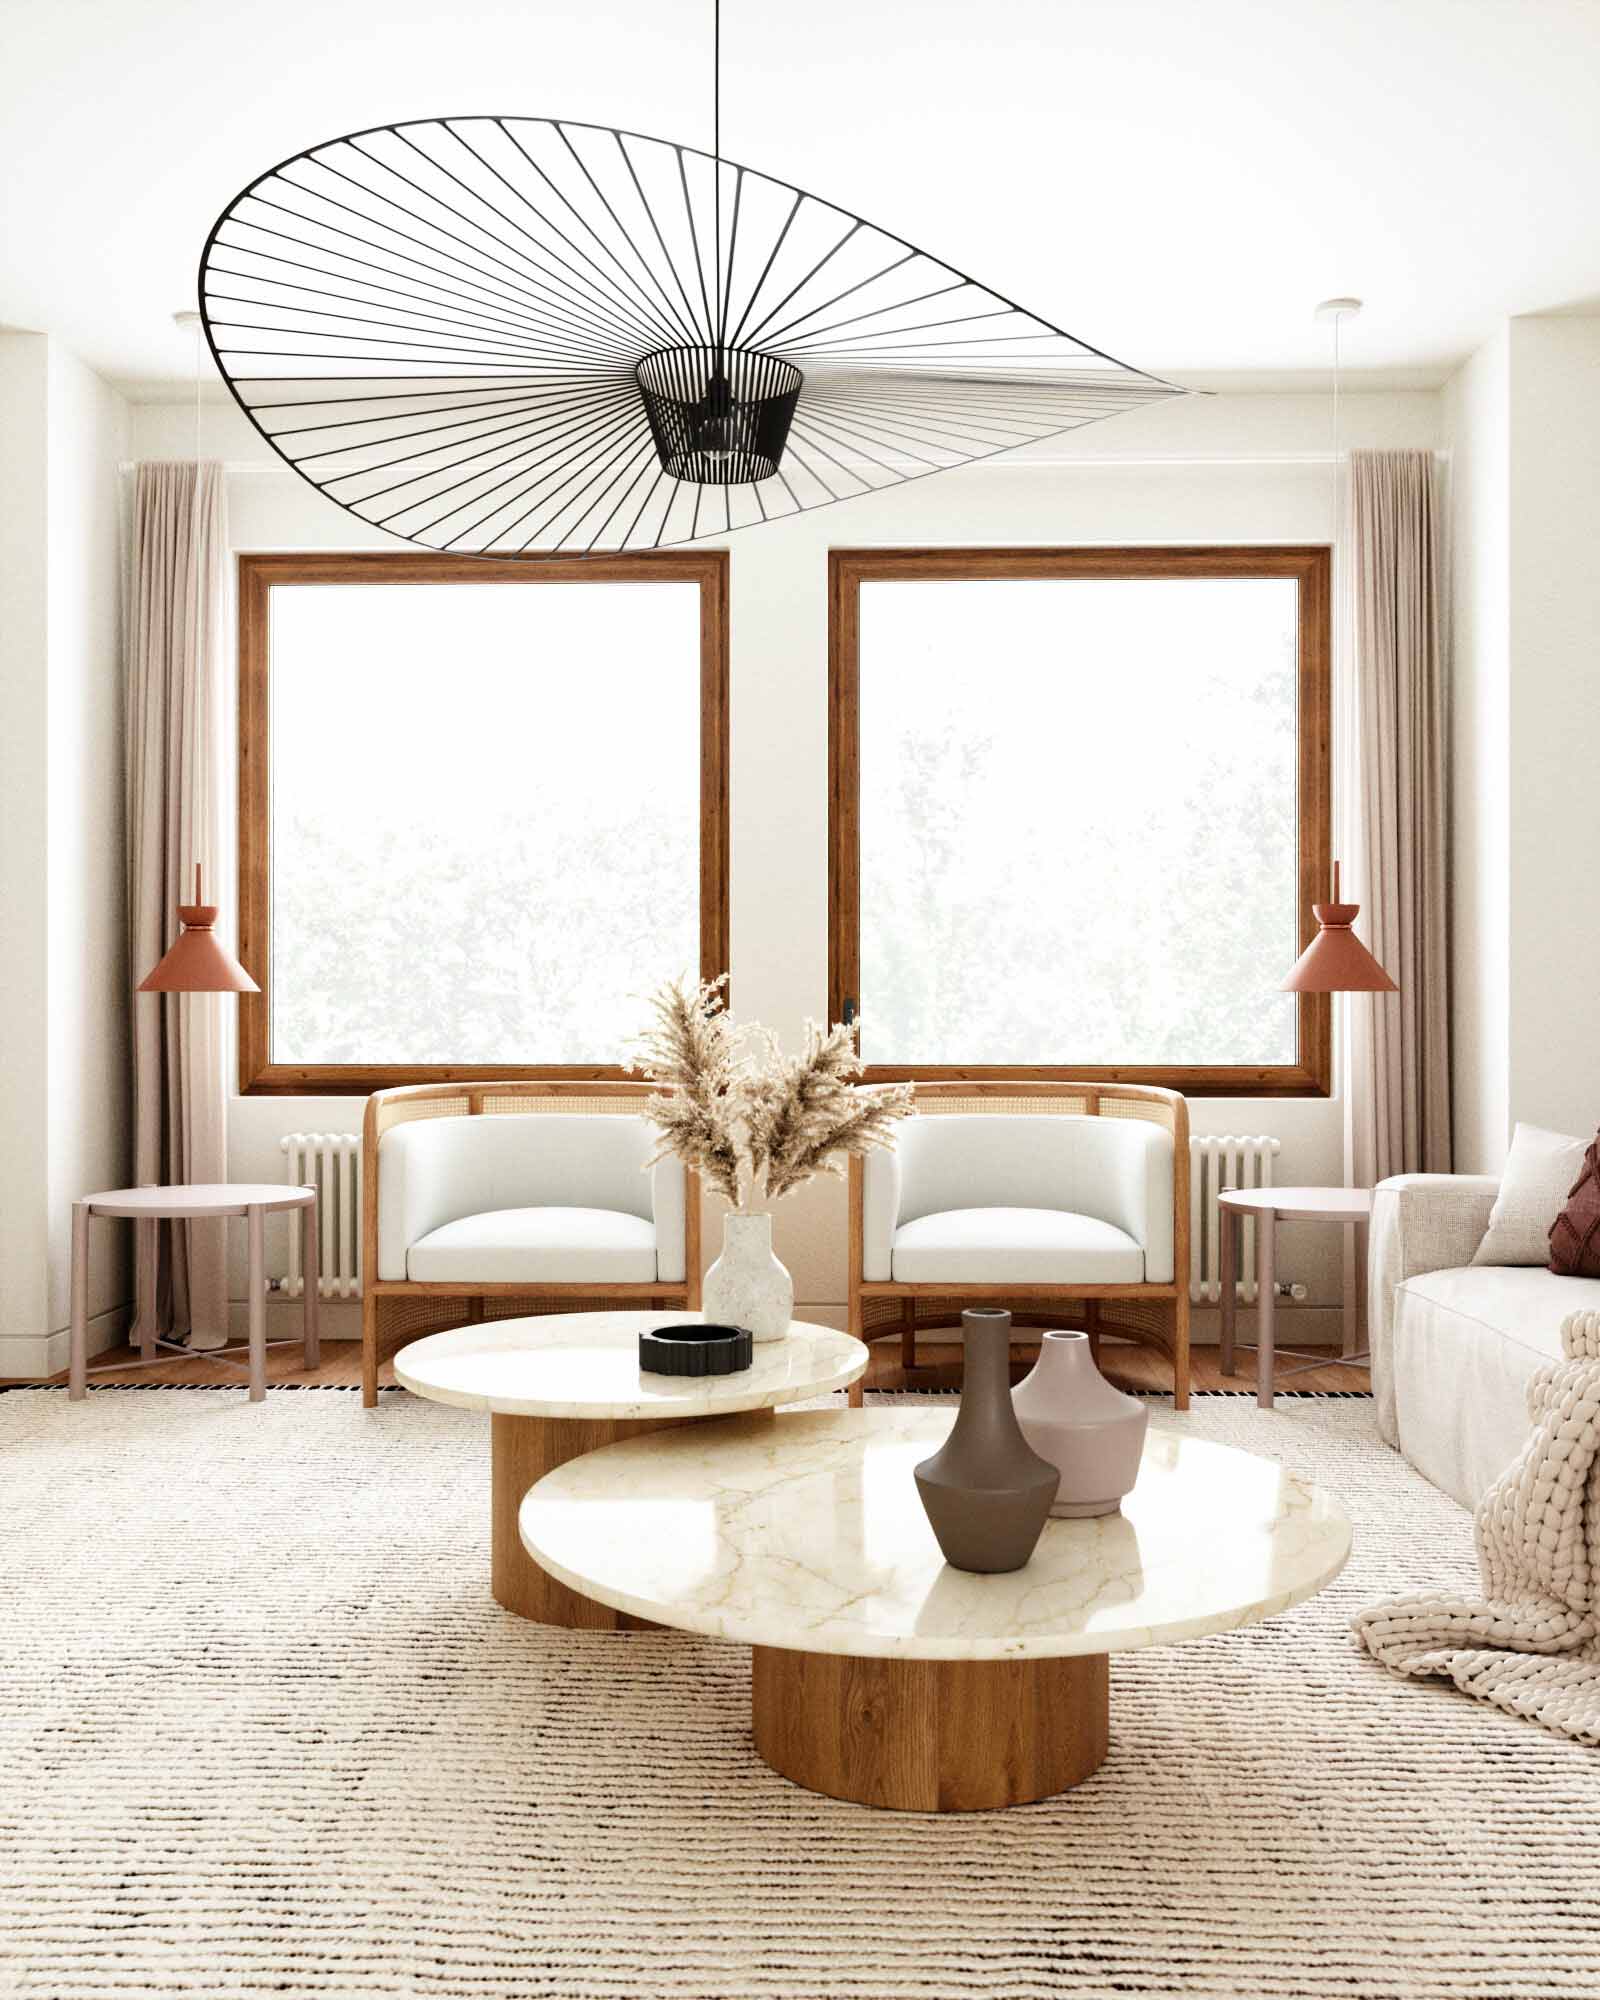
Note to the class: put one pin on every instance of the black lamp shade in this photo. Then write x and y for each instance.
(719, 415)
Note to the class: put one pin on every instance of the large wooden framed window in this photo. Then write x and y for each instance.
(1079, 811)
(483, 808)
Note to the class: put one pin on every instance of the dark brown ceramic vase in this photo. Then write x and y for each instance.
(987, 1493)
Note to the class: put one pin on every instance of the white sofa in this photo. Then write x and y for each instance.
(1453, 1342)
(482, 1200)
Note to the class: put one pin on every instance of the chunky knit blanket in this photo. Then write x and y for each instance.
(1531, 1643)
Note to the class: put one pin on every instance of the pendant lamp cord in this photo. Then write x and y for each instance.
(716, 169)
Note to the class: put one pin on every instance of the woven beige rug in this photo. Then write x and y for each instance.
(263, 1731)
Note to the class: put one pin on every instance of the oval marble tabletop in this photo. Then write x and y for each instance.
(807, 1533)
(586, 1365)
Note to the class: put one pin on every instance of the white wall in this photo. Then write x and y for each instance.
(1212, 469)
(1555, 722)
(1523, 420)
(64, 1070)
(1477, 416)
(24, 622)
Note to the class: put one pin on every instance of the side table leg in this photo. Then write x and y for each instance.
(311, 1265)
(1266, 1302)
(256, 1223)
(78, 1353)
(1228, 1260)
(146, 1251)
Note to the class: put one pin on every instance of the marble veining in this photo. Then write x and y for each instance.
(580, 1365)
(808, 1533)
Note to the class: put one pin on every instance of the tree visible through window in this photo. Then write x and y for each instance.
(1089, 808)
(487, 811)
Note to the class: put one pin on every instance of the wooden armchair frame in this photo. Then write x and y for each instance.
(397, 1310)
(1154, 1315)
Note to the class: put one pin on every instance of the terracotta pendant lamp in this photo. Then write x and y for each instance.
(1336, 961)
(197, 962)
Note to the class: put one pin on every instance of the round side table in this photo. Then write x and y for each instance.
(1269, 1206)
(147, 1206)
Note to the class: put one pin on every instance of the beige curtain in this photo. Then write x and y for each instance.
(1399, 1044)
(177, 591)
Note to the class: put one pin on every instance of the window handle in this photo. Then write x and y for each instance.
(849, 1015)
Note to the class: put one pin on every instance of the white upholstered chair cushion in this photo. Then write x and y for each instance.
(434, 1171)
(1116, 1171)
(1023, 1246)
(550, 1246)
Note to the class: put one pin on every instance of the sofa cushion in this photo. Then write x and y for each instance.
(1575, 1233)
(1539, 1174)
(552, 1246)
(1025, 1246)
(1466, 1342)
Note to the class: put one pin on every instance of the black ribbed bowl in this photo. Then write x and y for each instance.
(695, 1350)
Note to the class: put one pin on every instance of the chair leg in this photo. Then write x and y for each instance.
(256, 1224)
(1180, 1348)
(369, 1347)
(908, 1334)
(311, 1266)
(857, 1389)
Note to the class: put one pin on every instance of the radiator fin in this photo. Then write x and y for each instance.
(330, 1162)
(1215, 1164)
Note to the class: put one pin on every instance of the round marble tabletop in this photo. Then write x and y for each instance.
(807, 1533)
(586, 1365)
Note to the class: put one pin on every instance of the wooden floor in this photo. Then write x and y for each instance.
(939, 1367)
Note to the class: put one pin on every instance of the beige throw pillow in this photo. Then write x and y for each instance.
(1539, 1174)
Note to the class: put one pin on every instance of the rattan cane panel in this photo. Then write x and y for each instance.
(1027, 1107)
(504, 1306)
(403, 1318)
(504, 1107)
(403, 1109)
(1152, 1110)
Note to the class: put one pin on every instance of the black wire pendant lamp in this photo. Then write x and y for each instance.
(504, 336)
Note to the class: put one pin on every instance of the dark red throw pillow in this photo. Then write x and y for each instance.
(1575, 1233)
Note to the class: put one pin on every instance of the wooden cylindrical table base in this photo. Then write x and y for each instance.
(931, 1735)
(521, 1451)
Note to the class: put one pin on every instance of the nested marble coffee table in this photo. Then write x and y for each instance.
(880, 1674)
(562, 1384)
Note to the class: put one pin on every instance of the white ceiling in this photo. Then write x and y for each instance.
(1177, 183)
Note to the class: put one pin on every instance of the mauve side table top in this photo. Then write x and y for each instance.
(165, 1204)
(1302, 1204)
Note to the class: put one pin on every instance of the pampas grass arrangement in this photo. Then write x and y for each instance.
(753, 1122)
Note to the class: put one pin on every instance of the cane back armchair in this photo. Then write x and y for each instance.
(513, 1199)
(988, 1200)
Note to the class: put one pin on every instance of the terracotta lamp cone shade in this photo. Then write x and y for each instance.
(198, 963)
(1336, 961)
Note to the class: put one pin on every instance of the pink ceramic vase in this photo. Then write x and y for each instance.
(1092, 1433)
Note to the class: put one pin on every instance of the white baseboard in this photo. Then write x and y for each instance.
(36, 1358)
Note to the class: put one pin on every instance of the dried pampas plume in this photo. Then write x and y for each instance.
(752, 1118)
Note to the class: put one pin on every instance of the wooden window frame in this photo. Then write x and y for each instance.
(259, 1075)
(1310, 1075)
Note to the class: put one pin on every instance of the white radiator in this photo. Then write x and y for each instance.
(330, 1162)
(1216, 1164)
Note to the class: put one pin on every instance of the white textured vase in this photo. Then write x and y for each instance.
(747, 1286)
